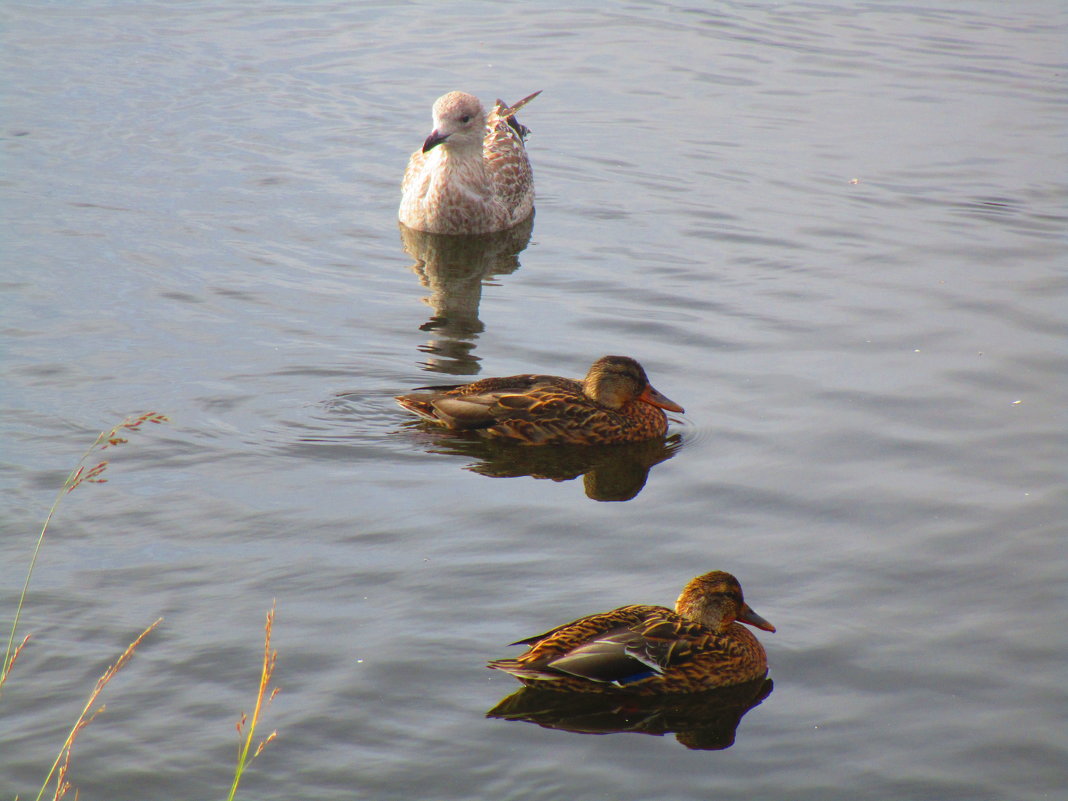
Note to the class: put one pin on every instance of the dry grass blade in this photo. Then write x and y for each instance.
(262, 700)
(78, 476)
(61, 766)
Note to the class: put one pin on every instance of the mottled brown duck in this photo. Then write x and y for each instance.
(614, 403)
(651, 650)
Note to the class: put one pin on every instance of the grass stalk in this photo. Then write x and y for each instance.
(61, 767)
(262, 700)
(78, 476)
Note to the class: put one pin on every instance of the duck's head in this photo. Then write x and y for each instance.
(460, 120)
(614, 380)
(715, 600)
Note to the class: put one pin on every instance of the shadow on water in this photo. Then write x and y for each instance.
(704, 721)
(609, 472)
(453, 268)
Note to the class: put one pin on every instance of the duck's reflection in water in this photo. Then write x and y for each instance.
(454, 268)
(701, 721)
(609, 472)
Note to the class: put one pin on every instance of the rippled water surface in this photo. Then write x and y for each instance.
(834, 232)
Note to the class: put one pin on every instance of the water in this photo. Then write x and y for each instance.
(834, 232)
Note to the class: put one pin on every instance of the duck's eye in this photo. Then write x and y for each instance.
(466, 118)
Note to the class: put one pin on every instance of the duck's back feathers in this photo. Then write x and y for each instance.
(483, 403)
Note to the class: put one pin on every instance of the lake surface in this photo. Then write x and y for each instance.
(834, 232)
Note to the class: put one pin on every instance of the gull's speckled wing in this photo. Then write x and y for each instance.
(506, 158)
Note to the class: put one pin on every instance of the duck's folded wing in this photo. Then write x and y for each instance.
(537, 397)
(669, 641)
(468, 411)
(617, 657)
(634, 652)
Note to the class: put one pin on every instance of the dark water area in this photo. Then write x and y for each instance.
(835, 233)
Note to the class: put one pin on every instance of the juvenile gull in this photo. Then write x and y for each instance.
(472, 175)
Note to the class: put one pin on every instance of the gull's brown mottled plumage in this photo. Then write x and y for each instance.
(651, 650)
(472, 175)
(614, 403)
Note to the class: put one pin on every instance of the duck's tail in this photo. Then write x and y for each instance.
(520, 670)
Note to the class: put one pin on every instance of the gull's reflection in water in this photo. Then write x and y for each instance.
(609, 472)
(702, 721)
(454, 268)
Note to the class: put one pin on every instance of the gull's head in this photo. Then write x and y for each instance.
(459, 121)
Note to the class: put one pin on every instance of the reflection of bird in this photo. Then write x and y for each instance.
(614, 403)
(454, 269)
(650, 650)
(472, 175)
(608, 474)
(706, 720)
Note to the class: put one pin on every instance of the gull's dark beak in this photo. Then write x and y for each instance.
(434, 140)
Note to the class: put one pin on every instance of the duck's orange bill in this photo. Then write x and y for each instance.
(650, 395)
(753, 619)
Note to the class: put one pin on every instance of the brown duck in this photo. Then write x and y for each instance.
(650, 650)
(613, 403)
